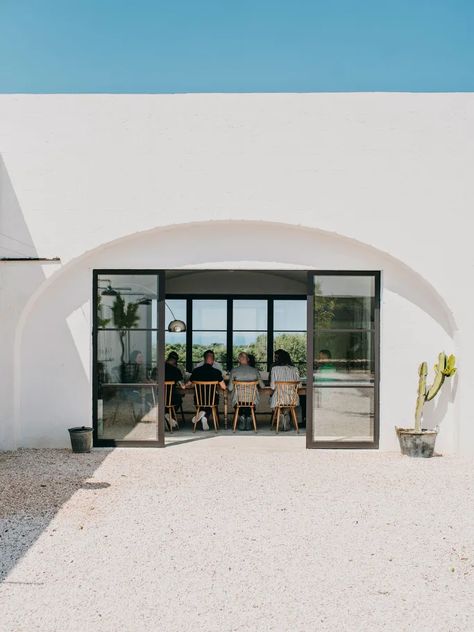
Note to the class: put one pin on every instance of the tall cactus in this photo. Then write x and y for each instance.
(443, 369)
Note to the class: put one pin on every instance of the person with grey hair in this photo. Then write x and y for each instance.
(244, 372)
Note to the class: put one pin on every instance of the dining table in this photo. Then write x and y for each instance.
(152, 387)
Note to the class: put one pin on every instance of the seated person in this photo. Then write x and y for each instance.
(325, 364)
(206, 373)
(174, 374)
(245, 372)
(252, 360)
(283, 370)
(215, 364)
(134, 371)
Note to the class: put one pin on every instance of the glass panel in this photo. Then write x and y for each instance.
(253, 342)
(174, 341)
(342, 357)
(344, 414)
(289, 315)
(250, 315)
(127, 404)
(210, 340)
(295, 344)
(127, 301)
(117, 352)
(344, 302)
(210, 315)
(175, 308)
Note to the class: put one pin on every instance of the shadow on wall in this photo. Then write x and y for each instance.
(265, 244)
(56, 347)
(435, 411)
(59, 330)
(18, 282)
(15, 238)
(34, 485)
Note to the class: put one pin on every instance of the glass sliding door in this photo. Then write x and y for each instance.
(128, 345)
(343, 359)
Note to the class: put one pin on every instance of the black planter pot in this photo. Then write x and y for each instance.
(81, 439)
(417, 444)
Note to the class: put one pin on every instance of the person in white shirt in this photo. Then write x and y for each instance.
(283, 370)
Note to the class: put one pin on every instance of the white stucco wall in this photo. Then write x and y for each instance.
(337, 181)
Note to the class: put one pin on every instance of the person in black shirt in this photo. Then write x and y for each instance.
(207, 373)
(173, 374)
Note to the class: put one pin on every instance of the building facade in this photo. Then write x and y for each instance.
(264, 182)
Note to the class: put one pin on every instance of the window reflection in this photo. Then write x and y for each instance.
(344, 414)
(344, 356)
(344, 302)
(127, 404)
(127, 301)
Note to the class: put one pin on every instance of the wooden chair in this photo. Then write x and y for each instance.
(286, 399)
(205, 394)
(169, 406)
(246, 394)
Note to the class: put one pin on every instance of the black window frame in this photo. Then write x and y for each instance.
(161, 327)
(311, 443)
(270, 298)
(160, 340)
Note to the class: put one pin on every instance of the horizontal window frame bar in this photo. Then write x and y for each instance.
(209, 331)
(351, 330)
(338, 386)
(127, 330)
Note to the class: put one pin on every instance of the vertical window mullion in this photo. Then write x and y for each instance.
(189, 335)
(270, 332)
(230, 334)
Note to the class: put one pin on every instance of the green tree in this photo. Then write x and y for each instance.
(295, 344)
(101, 321)
(324, 309)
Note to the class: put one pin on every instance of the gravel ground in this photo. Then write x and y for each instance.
(235, 533)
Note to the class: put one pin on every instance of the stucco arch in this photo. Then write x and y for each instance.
(57, 319)
(225, 244)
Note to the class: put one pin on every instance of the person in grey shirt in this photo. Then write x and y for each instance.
(244, 373)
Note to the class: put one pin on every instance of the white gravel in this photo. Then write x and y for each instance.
(235, 533)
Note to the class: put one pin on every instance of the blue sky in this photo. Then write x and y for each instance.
(236, 45)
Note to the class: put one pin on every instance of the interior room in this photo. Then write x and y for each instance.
(147, 319)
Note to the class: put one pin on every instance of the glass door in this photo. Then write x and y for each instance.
(128, 363)
(343, 359)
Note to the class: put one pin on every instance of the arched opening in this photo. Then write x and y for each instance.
(58, 319)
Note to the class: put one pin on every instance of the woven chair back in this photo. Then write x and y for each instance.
(286, 393)
(245, 393)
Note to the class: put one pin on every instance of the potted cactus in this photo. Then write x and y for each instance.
(419, 441)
